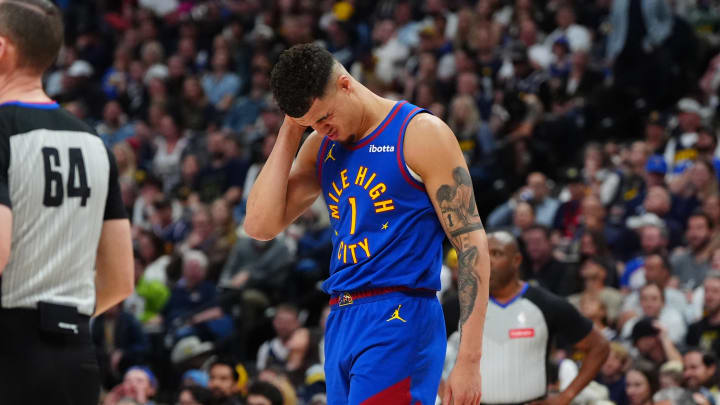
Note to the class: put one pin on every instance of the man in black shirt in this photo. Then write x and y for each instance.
(705, 333)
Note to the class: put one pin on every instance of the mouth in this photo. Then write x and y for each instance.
(333, 134)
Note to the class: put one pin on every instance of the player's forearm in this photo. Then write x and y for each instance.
(473, 285)
(265, 220)
(591, 365)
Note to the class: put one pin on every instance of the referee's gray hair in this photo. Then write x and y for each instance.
(195, 256)
(504, 237)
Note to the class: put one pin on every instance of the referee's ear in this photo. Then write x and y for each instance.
(516, 260)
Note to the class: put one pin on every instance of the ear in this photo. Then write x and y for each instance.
(344, 83)
(4, 44)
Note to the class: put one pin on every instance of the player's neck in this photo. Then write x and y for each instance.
(508, 292)
(374, 111)
(22, 88)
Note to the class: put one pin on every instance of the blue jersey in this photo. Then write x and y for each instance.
(387, 233)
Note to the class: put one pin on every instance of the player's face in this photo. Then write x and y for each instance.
(334, 115)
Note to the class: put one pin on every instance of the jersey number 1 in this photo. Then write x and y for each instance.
(54, 183)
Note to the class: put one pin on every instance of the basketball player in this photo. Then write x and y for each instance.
(396, 184)
(65, 249)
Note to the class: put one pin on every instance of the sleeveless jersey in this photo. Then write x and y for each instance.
(386, 230)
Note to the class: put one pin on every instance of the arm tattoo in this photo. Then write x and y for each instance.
(459, 211)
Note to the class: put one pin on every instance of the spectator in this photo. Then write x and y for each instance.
(114, 127)
(191, 295)
(536, 191)
(170, 147)
(653, 240)
(119, 342)
(690, 266)
(139, 385)
(594, 272)
(224, 175)
(223, 383)
(657, 271)
(705, 333)
(289, 347)
(652, 345)
(262, 393)
(221, 86)
(542, 266)
(641, 386)
(194, 396)
(654, 306)
(613, 373)
(700, 372)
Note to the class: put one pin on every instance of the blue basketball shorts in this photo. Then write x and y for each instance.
(385, 349)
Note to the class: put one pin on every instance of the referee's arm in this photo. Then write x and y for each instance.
(5, 206)
(114, 277)
(5, 234)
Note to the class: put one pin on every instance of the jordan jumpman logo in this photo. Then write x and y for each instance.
(396, 315)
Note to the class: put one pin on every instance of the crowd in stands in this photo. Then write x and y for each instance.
(590, 128)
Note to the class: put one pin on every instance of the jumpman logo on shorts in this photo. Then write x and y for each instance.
(329, 155)
(396, 315)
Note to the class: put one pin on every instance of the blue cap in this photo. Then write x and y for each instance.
(146, 370)
(656, 164)
(199, 377)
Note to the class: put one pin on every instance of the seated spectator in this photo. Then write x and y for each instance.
(536, 191)
(119, 343)
(165, 225)
(612, 374)
(197, 111)
(152, 252)
(256, 263)
(224, 175)
(654, 306)
(290, 345)
(221, 85)
(263, 393)
(139, 385)
(671, 375)
(652, 346)
(277, 377)
(657, 271)
(594, 309)
(224, 383)
(567, 217)
(691, 265)
(653, 240)
(114, 128)
(195, 396)
(593, 272)
(169, 146)
(191, 295)
(658, 202)
(641, 386)
(700, 372)
(543, 267)
(705, 333)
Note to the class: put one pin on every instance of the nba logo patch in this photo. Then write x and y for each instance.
(345, 299)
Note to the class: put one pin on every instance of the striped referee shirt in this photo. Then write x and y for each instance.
(60, 182)
(516, 344)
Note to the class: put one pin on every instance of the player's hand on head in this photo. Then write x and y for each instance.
(463, 387)
(292, 124)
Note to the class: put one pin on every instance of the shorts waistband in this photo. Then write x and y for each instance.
(350, 297)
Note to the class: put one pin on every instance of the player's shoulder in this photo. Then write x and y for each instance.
(18, 119)
(425, 126)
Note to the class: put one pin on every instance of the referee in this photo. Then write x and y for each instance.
(65, 249)
(520, 325)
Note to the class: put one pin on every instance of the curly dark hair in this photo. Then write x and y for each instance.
(300, 76)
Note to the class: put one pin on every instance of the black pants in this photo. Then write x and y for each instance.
(45, 368)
